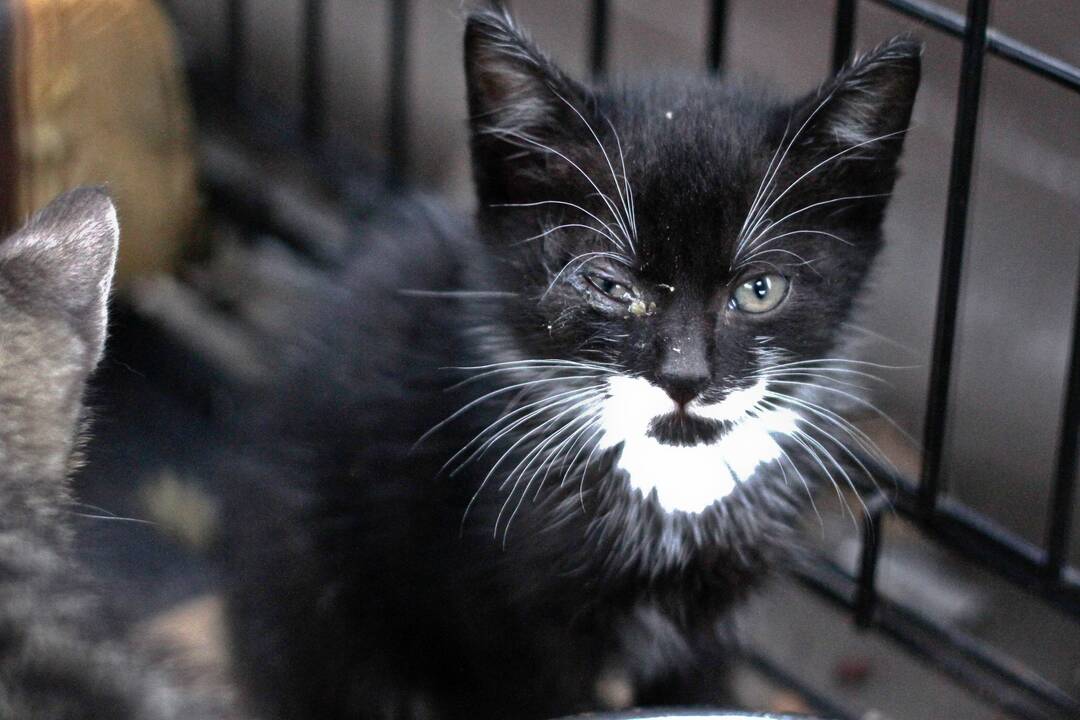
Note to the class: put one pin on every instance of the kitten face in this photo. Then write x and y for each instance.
(55, 275)
(683, 243)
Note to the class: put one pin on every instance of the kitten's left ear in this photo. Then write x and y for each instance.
(863, 111)
(63, 261)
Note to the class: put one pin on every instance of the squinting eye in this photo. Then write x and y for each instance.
(760, 293)
(613, 289)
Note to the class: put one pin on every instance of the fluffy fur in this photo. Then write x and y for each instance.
(57, 659)
(529, 547)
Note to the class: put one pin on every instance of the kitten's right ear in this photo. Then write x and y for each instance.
(63, 261)
(850, 133)
(865, 107)
(520, 104)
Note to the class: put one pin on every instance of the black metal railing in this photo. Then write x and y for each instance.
(1042, 571)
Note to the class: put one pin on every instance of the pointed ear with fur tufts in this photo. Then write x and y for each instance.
(61, 264)
(522, 108)
(850, 133)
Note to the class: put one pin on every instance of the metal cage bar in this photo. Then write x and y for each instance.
(1061, 501)
(598, 38)
(984, 670)
(236, 38)
(999, 44)
(397, 102)
(956, 217)
(818, 700)
(843, 33)
(313, 99)
(714, 52)
(873, 526)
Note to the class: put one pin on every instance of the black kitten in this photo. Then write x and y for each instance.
(606, 379)
(58, 660)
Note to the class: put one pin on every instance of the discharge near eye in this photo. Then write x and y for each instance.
(760, 293)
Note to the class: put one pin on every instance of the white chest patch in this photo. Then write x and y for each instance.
(690, 478)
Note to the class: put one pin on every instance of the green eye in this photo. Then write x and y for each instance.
(760, 293)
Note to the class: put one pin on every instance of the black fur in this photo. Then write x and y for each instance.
(376, 579)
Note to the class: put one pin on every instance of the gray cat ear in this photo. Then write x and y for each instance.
(63, 260)
(867, 105)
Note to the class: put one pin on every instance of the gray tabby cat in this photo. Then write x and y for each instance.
(57, 658)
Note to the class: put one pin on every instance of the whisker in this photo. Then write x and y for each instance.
(765, 176)
(468, 406)
(601, 369)
(862, 440)
(113, 518)
(809, 172)
(487, 477)
(820, 203)
(585, 466)
(806, 486)
(783, 157)
(847, 361)
(546, 404)
(840, 468)
(796, 437)
(757, 246)
(456, 293)
(879, 336)
(535, 453)
(625, 177)
(802, 261)
(612, 208)
(857, 460)
(536, 361)
(510, 475)
(826, 161)
(607, 226)
(847, 428)
(582, 403)
(816, 373)
(568, 444)
(607, 159)
(566, 226)
(861, 401)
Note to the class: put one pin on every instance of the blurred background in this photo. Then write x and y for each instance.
(250, 143)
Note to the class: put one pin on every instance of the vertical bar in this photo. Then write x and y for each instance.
(8, 168)
(235, 32)
(956, 216)
(1061, 504)
(843, 33)
(312, 99)
(598, 38)
(714, 58)
(866, 590)
(397, 117)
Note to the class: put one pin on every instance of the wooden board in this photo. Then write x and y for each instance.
(97, 97)
(7, 128)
